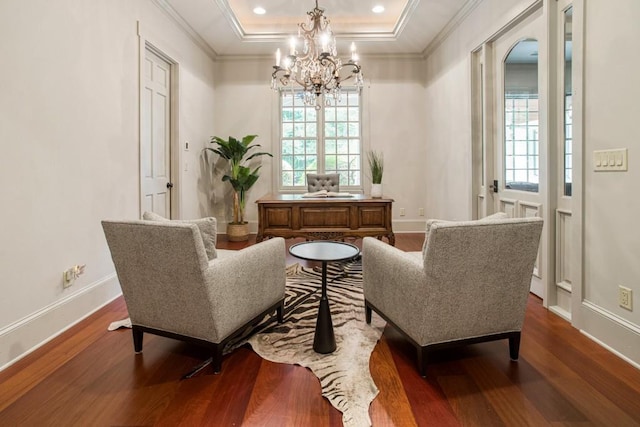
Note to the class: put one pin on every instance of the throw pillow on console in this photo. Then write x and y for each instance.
(207, 226)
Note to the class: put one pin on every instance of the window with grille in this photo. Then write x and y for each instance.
(522, 153)
(325, 140)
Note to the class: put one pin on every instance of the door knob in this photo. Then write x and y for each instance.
(169, 185)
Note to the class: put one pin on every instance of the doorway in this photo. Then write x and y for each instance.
(510, 128)
(155, 134)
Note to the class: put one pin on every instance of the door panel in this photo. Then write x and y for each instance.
(519, 146)
(155, 154)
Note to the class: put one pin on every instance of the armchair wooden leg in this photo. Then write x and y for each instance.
(216, 358)
(514, 345)
(367, 312)
(137, 339)
(422, 360)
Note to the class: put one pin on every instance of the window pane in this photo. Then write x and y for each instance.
(342, 129)
(343, 163)
(287, 130)
(330, 163)
(310, 146)
(330, 146)
(342, 114)
(354, 146)
(311, 115)
(287, 163)
(287, 100)
(329, 129)
(311, 129)
(342, 146)
(330, 114)
(287, 178)
(300, 178)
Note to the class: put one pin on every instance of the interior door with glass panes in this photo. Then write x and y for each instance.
(519, 158)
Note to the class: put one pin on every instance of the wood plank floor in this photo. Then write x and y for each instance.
(91, 377)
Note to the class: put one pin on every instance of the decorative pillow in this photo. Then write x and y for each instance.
(207, 227)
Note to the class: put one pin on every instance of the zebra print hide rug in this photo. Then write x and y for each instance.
(344, 374)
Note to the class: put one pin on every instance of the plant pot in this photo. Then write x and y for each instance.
(376, 191)
(238, 232)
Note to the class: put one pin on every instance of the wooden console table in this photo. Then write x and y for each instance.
(331, 218)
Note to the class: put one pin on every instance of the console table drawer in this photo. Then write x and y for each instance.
(332, 217)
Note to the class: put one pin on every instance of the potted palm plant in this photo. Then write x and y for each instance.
(376, 166)
(241, 178)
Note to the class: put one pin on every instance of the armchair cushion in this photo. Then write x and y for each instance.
(207, 227)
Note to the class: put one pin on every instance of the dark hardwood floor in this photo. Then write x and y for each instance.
(91, 377)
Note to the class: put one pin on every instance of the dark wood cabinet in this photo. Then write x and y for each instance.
(291, 215)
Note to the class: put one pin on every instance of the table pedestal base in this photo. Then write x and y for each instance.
(324, 340)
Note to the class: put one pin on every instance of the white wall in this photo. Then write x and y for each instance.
(393, 123)
(611, 236)
(69, 133)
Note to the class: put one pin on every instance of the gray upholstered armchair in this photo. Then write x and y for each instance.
(469, 284)
(329, 182)
(176, 284)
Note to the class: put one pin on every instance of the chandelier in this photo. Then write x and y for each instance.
(316, 69)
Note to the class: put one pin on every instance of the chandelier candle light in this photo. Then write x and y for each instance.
(317, 69)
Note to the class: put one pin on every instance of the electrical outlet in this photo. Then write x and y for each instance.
(625, 297)
(421, 211)
(69, 276)
(402, 213)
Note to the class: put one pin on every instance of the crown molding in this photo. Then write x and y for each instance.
(186, 28)
(454, 23)
(354, 36)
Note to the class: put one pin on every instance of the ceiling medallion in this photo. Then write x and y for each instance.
(317, 69)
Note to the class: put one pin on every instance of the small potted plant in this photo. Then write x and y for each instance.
(241, 178)
(376, 166)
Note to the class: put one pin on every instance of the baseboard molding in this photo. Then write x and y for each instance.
(409, 225)
(614, 333)
(556, 309)
(29, 333)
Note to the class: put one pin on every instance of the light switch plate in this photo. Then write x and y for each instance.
(610, 160)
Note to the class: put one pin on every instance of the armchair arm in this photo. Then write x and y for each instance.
(394, 282)
(243, 284)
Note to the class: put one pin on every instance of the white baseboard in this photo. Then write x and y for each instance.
(409, 225)
(614, 333)
(28, 334)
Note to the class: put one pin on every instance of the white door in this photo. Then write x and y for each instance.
(560, 297)
(519, 144)
(155, 149)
